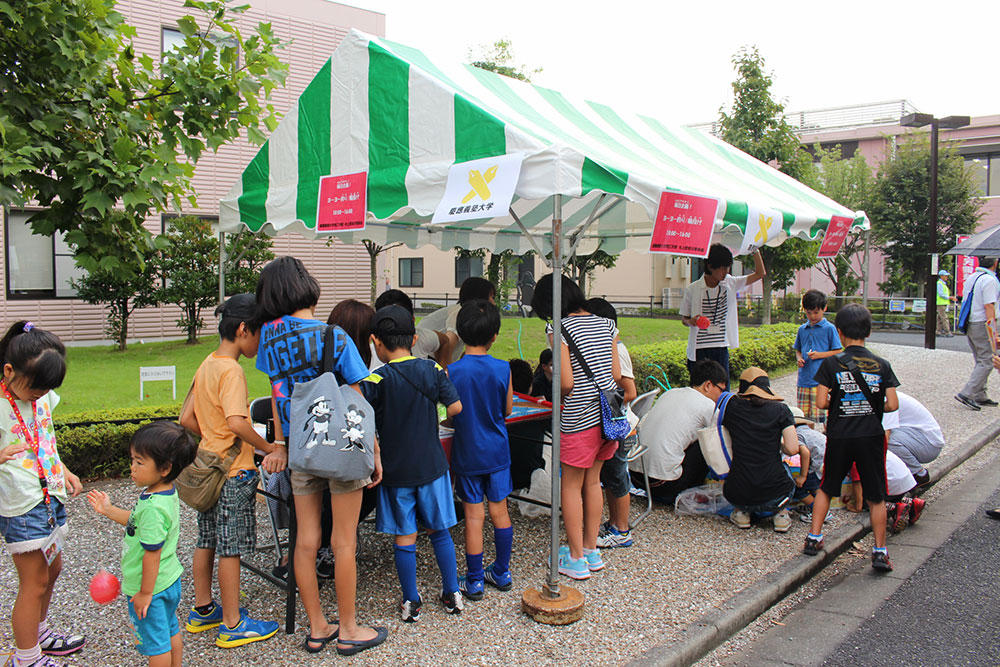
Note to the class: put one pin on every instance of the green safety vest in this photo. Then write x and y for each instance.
(943, 293)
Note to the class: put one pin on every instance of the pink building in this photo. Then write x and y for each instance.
(38, 270)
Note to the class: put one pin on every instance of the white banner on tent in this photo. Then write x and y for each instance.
(479, 189)
(763, 225)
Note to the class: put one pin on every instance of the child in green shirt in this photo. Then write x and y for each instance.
(151, 572)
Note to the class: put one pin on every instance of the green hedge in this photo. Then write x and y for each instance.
(101, 449)
(769, 347)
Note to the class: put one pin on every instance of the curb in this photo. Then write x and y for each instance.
(715, 627)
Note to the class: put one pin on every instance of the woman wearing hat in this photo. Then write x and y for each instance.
(761, 427)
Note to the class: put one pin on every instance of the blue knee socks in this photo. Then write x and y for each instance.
(503, 538)
(444, 552)
(474, 566)
(406, 569)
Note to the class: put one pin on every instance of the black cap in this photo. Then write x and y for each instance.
(242, 307)
(393, 320)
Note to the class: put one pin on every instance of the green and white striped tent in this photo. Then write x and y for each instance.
(387, 109)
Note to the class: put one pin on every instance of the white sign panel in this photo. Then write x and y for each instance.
(763, 225)
(479, 189)
(155, 373)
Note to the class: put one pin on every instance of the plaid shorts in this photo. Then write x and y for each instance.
(805, 398)
(230, 528)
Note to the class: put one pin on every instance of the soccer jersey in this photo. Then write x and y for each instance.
(152, 525)
(480, 445)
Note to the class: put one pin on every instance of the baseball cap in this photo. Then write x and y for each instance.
(393, 320)
(942, 272)
(242, 307)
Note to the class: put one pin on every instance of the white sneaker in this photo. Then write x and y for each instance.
(740, 518)
(782, 521)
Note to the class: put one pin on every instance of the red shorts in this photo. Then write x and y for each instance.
(583, 448)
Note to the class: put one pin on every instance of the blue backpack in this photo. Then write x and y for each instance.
(963, 314)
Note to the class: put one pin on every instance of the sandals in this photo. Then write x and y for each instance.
(358, 645)
(321, 641)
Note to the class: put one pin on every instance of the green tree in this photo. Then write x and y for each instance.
(499, 57)
(192, 279)
(374, 250)
(246, 255)
(756, 126)
(121, 290)
(900, 209)
(851, 183)
(88, 124)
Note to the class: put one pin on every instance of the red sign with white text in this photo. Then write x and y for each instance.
(965, 266)
(684, 224)
(836, 234)
(342, 202)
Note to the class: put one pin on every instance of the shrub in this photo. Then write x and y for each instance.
(769, 347)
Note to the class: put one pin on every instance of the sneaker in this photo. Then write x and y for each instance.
(967, 402)
(200, 622)
(56, 643)
(247, 631)
(740, 518)
(409, 611)
(988, 402)
(880, 561)
(452, 602)
(902, 515)
(471, 588)
(503, 582)
(916, 508)
(573, 568)
(44, 661)
(610, 537)
(594, 561)
(811, 546)
(324, 564)
(782, 521)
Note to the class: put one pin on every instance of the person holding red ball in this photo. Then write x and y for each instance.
(709, 307)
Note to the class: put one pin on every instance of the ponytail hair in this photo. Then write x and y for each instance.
(35, 353)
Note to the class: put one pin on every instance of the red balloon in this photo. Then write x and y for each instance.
(703, 322)
(104, 587)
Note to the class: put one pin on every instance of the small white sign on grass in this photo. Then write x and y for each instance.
(155, 374)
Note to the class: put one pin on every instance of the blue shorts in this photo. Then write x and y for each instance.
(496, 486)
(28, 531)
(153, 633)
(400, 507)
(614, 473)
(811, 485)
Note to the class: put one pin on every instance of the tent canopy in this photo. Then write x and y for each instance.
(386, 109)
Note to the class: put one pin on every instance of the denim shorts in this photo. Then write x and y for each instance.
(28, 531)
(401, 507)
(153, 633)
(614, 473)
(495, 486)
(230, 528)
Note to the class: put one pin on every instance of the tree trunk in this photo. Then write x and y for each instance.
(192, 329)
(765, 306)
(493, 269)
(123, 329)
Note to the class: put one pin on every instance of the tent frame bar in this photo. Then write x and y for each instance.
(530, 238)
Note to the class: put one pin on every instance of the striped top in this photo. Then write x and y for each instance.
(594, 336)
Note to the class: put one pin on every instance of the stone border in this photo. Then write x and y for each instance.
(715, 627)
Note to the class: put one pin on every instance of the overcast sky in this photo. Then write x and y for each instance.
(673, 59)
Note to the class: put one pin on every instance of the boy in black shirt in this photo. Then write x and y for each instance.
(857, 387)
(416, 485)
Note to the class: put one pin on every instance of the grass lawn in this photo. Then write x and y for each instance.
(101, 378)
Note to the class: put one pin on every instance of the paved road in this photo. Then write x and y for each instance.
(938, 607)
(916, 339)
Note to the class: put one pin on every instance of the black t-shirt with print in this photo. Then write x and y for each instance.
(757, 474)
(851, 415)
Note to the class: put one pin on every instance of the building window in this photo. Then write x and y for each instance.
(38, 267)
(985, 171)
(467, 267)
(411, 272)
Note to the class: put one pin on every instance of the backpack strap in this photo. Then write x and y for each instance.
(723, 401)
(859, 379)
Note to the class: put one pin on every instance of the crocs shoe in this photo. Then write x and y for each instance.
(200, 622)
(502, 581)
(573, 568)
(471, 588)
(594, 561)
(56, 643)
(247, 631)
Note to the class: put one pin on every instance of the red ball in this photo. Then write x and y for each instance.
(104, 587)
(703, 322)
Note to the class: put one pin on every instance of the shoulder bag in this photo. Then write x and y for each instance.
(614, 423)
(715, 442)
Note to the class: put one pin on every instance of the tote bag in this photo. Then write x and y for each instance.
(716, 443)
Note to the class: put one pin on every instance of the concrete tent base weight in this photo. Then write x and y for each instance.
(565, 608)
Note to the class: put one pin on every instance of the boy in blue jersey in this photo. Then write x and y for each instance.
(416, 485)
(816, 340)
(480, 454)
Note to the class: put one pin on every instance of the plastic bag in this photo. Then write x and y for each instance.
(540, 489)
(702, 501)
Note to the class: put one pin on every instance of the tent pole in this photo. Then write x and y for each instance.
(222, 267)
(551, 588)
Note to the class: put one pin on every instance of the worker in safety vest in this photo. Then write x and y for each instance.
(944, 297)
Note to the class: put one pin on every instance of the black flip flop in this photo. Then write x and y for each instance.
(322, 641)
(358, 645)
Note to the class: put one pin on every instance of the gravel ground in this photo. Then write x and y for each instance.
(679, 568)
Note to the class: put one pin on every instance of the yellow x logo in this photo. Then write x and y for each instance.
(478, 182)
(764, 223)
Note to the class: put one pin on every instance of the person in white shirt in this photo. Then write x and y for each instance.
(709, 307)
(984, 290)
(914, 435)
(670, 431)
